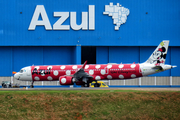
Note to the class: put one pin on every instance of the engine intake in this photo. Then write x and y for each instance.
(66, 80)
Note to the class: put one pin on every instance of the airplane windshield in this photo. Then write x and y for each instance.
(21, 71)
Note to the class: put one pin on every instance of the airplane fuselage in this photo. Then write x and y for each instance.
(98, 72)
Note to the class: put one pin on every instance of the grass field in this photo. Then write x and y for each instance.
(89, 105)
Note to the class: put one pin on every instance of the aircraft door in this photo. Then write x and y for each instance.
(141, 69)
(28, 71)
(106, 70)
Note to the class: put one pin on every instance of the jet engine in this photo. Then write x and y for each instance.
(66, 80)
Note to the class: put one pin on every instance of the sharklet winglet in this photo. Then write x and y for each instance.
(84, 65)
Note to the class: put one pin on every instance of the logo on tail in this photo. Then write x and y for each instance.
(158, 57)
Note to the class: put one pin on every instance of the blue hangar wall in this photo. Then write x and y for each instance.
(53, 32)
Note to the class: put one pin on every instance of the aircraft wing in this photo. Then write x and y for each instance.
(81, 74)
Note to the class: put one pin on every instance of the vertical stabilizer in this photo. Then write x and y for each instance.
(158, 57)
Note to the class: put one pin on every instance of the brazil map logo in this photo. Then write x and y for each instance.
(119, 14)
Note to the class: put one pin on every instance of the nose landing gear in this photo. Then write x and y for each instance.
(32, 86)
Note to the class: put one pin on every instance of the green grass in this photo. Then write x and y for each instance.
(89, 105)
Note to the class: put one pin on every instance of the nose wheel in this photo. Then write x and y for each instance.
(32, 86)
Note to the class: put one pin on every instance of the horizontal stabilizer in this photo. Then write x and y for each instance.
(158, 67)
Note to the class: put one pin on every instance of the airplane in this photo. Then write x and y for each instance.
(87, 73)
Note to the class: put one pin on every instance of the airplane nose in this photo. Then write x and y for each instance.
(16, 76)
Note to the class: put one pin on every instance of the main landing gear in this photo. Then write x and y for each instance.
(85, 84)
(88, 84)
(32, 86)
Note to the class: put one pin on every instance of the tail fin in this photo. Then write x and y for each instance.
(158, 57)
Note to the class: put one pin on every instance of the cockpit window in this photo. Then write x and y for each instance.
(21, 71)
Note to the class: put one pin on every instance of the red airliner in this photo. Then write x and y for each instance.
(85, 74)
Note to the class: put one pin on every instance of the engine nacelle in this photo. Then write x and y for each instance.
(66, 80)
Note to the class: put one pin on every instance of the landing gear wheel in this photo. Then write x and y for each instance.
(32, 86)
(86, 85)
